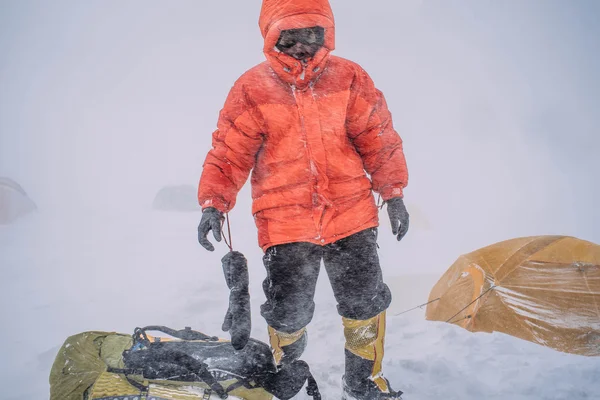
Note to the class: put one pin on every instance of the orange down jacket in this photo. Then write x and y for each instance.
(310, 134)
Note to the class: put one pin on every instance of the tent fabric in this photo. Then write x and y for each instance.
(544, 289)
(14, 202)
(82, 359)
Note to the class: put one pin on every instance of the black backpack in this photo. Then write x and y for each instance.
(193, 358)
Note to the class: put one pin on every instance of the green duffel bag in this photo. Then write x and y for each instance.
(185, 365)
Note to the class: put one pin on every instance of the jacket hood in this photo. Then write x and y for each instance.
(280, 15)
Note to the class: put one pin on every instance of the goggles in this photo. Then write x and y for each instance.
(307, 36)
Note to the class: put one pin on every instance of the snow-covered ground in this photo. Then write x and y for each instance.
(102, 103)
(62, 275)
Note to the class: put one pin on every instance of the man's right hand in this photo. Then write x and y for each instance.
(211, 220)
(398, 216)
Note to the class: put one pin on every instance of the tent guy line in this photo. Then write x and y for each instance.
(420, 306)
(449, 319)
(467, 306)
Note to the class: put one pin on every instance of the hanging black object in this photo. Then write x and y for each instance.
(238, 317)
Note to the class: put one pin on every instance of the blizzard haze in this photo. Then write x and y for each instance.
(103, 103)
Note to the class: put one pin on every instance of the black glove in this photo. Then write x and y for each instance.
(398, 216)
(211, 220)
(238, 318)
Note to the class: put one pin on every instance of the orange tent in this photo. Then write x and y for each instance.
(544, 289)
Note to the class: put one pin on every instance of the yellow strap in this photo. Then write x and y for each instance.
(281, 339)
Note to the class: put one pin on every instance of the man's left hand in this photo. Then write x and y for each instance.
(398, 216)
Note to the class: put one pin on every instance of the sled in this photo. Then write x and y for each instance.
(173, 365)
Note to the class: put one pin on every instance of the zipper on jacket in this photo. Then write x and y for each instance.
(311, 164)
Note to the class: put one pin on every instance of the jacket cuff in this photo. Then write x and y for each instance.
(216, 203)
(391, 191)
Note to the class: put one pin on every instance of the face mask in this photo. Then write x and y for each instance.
(314, 36)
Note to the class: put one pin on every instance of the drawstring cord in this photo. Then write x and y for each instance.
(379, 203)
(228, 243)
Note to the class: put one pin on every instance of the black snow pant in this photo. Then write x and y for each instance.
(352, 265)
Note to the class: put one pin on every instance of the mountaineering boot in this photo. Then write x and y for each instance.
(287, 347)
(363, 379)
(366, 389)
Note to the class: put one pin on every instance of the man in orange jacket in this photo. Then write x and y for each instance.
(311, 126)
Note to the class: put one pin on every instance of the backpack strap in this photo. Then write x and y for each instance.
(183, 334)
(152, 360)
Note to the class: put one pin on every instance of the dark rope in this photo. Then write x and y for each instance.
(230, 243)
(414, 308)
(467, 306)
(379, 203)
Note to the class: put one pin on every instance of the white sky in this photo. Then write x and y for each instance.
(104, 102)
